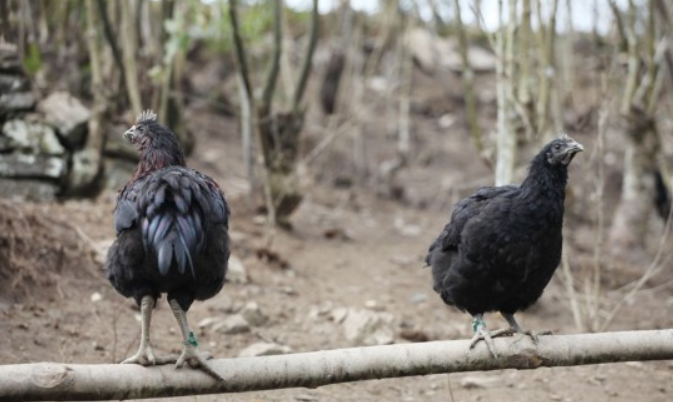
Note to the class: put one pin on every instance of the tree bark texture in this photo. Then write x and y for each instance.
(77, 382)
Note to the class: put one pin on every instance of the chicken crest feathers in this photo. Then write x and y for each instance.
(146, 116)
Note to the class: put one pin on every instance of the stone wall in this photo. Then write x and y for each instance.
(42, 140)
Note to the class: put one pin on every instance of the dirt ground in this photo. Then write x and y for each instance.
(349, 248)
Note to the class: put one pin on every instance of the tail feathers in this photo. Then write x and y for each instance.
(173, 238)
(165, 256)
(183, 256)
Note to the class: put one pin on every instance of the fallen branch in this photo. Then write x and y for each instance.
(77, 382)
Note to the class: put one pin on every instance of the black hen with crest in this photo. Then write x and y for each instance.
(172, 237)
(503, 244)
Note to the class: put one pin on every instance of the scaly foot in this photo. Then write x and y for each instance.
(516, 328)
(481, 333)
(145, 357)
(533, 335)
(196, 361)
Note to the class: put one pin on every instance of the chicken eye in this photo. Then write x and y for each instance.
(557, 146)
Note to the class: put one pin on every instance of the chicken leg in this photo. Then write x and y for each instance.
(514, 326)
(189, 344)
(145, 355)
(481, 333)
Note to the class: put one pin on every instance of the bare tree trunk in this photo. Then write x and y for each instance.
(87, 162)
(244, 71)
(167, 11)
(505, 135)
(468, 83)
(306, 68)
(547, 72)
(400, 108)
(130, 41)
(110, 36)
(630, 222)
(5, 30)
(525, 78)
(79, 382)
(247, 127)
(246, 95)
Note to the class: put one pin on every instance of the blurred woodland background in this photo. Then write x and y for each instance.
(343, 136)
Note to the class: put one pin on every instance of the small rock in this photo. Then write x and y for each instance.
(447, 121)
(405, 260)
(339, 314)
(406, 230)
(288, 290)
(237, 237)
(366, 327)
(30, 137)
(68, 115)
(234, 324)
(32, 166)
(84, 171)
(9, 59)
(414, 335)
(264, 349)
(96, 297)
(13, 83)
(253, 314)
(236, 271)
(374, 305)
(418, 298)
(207, 322)
(12, 102)
(474, 382)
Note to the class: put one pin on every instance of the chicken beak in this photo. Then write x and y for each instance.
(574, 147)
(570, 151)
(129, 134)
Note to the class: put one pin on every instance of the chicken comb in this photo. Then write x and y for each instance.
(564, 136)
(147, 116)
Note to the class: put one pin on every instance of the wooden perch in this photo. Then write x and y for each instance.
(78, 382)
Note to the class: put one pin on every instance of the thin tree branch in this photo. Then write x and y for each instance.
(4, 20)
(241, 56)
(129, 38)
(78, 382)
(308, 59)
(272, 77)
(110, 35)
(468, 82)
(623, 41)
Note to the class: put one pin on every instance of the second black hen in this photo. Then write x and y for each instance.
(172, 237)
(503, 244)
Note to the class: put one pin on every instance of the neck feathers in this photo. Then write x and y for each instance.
(159, 155)
(546, 180)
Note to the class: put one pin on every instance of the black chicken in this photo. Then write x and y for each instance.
(503, 244)
(172, 237)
